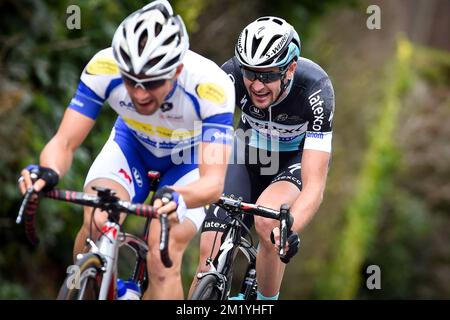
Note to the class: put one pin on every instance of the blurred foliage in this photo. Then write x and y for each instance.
(373, 184)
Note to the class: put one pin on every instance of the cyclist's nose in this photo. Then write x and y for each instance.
(139, 93)
(257, 85)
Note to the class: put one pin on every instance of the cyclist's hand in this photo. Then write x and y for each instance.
(37, 177)
(167, 200)
(292, 243)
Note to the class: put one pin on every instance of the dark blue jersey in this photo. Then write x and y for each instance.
(303, 119)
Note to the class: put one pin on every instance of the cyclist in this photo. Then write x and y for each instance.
(175, 111)
(283, 144)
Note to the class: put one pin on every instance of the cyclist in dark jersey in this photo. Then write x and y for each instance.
(282, 145)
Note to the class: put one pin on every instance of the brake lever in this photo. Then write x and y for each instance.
(23, 206)
(164, 237)
(284, 216)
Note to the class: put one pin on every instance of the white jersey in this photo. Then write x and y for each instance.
(199, 108)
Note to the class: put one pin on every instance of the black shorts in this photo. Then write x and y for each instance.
(249, 176)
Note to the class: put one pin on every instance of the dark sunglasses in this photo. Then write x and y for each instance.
(146, 84)
(264, 77)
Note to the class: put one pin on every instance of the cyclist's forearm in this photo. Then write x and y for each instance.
(201, 192)
(305, 207)
(314, 177)
(57, 155)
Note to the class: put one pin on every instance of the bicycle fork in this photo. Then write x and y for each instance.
(107, 249)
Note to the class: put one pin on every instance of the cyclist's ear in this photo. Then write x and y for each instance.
(179, 69)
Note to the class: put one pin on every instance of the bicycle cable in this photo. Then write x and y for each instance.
(96, 226)
(214, 244)
(247, 230)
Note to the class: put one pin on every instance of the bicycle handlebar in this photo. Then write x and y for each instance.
(233, 205)
(104, 200)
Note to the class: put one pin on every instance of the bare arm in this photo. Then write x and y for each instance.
(314, 176)
(58, 153)
(213, 165)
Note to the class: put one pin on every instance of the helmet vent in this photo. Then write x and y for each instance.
(125, 57)
(255, 45)
(137, 26)
(263, 19)
(169, 40)
(158, 28)
(245, 41)
(283, 55)
(271, 42)
(152, 63)
(171, 62)
(142, 41)
(278, 21)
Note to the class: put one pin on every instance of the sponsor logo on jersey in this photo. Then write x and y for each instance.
(282, 130)
(172, 117)
(331, 116)
(166, 106)
(125, 175)
(128, 105)
(294, 118)
(288, 178)
(315, 135)
(215, 225)
(244, 101)
(316, 102)
(295, 167)
(222, 136)
(146, 129)
(103, 66)
(77, 102)
(211, 92)
(137, 177)
(258, 113)
(281, 117)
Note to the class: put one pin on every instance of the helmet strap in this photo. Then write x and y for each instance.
(283, 86)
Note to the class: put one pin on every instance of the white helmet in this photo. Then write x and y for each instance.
(151, 41)
(267, 42)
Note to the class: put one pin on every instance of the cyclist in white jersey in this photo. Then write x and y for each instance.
(175, 112)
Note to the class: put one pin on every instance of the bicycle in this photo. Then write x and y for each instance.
(97, 269)
(215, 284)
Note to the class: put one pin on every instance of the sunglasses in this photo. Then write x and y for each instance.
(264, 77)
(144, 83)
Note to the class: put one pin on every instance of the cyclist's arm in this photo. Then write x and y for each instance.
(209, 187)
(314, 175)
(316, 152)
(58, 153)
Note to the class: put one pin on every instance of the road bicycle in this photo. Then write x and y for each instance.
(215, 284)
(96, 271)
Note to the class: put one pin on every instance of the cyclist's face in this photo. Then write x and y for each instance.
(148, 96)
(264, 85)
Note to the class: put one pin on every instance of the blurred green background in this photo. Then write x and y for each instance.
(388, 194)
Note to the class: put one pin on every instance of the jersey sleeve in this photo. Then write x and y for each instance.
(97, 80)
(217, 100)
(320, 111)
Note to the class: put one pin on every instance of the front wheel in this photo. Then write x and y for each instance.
(207, 289)
(83, 281)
